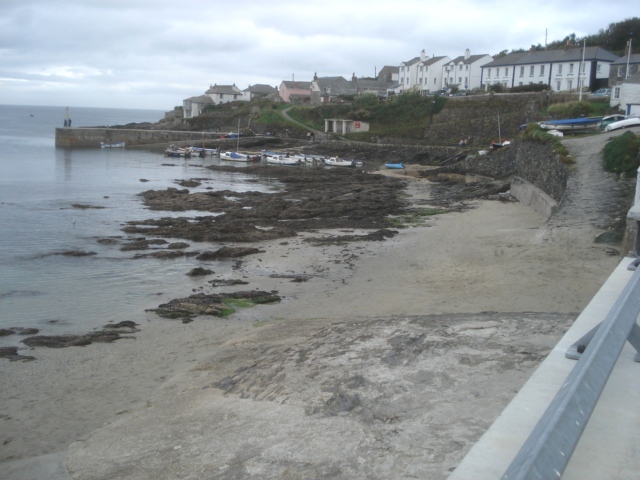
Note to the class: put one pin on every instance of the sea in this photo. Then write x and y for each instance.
(39, 184)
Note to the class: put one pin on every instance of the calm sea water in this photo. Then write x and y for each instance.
(38, 186)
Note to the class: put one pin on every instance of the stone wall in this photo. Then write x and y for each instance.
(91, 137)
(532, 161)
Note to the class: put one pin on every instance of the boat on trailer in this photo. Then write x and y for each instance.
(572, 124)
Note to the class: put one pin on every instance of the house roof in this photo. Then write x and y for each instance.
(337, 85)
(413, 61)
(260, 88)
(295, 85)
(387, 70)
(372, 84)
(432, 60)
(633, 58)
(553, 56)
(200, 99)
(470, 60)
(224, 89)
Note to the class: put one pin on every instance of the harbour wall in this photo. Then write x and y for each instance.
(91, 137)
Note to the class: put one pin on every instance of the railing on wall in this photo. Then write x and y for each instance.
(548, 449)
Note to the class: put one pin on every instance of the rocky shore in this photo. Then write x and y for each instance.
(392, 320)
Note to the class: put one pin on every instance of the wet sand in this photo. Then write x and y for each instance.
(389, 362)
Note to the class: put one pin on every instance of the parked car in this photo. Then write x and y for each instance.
(602, 92)
(626, 123)
(610, 119)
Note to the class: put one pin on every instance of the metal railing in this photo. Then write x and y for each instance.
(548, 449)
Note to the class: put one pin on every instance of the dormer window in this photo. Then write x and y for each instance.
(327, 89)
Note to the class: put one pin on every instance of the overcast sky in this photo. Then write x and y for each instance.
(155, 53)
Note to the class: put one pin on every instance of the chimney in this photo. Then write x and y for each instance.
(467, 54)
(353, 77)
(422, 56)
(315, 77)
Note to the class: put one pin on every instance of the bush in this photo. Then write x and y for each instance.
(534, 87)
(621, 154)
(570, 110)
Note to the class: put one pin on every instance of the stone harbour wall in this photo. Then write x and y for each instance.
(91, 137)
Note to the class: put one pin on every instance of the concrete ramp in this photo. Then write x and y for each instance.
(530, 195)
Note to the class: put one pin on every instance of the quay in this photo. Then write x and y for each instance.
(90, 137)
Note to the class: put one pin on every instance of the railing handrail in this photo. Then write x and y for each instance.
(548, 449)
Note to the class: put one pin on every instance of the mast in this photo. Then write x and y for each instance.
(238, 137)
(584, 45)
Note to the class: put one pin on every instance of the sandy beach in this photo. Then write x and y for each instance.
(388, 362)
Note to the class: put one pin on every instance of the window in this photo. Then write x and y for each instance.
(616, 92)
(559, 85)
(459, 80)
(522, 72)
(531, 70)
(506, 74)
(488, 73)
(466, 67)
(619, 72)
(570, 84)
(460, 67)
(598, 68)
(541, 70)
(570, 68)
(560, 69)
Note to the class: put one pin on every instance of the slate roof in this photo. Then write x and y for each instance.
(634, 58)
(553, 56)
(432, 60)
(337, 86)
(224, 89)
(261, 88)
(295, 85)
(411, 62)
(200, 99)
(470, 60)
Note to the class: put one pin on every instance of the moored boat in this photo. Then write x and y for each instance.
(282, 160)
(572, 124)
(235, 157)
(339, 162)
(112, 145)
(176, 152)
(396, 166)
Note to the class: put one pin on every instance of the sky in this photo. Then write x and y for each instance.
(153, 54)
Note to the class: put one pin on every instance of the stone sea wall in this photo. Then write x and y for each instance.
(91, 137)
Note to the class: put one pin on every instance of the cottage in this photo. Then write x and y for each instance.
(465, 71)
(259, 91)
(563, 69)
(294, 91)
(192, 107)
(422, 74)
(224, 93)
(329, 89)
(626, 95)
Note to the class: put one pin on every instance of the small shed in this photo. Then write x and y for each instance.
(342, 126)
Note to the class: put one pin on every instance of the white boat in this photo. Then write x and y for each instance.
(282, 160)
(572, 124)
(207, 151)
(235, 157)
(112, 145)
(339, 162)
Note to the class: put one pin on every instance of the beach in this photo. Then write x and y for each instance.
(383, 359)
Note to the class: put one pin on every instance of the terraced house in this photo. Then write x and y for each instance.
(422, 74)
(561, 70)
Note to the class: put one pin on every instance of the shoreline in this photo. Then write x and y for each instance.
(495, 257)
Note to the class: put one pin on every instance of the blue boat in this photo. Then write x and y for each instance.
(571, 124)
(396, 166)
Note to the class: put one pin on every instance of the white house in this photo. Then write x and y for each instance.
(561, 70)
(193, 106)
(423, 74)
(224, 93)
(626, 95)
(465, 71)
(259, 91)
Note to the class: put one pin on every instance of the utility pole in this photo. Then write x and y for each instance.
(628, 55)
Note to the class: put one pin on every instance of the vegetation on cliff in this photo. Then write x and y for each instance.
(622, 154)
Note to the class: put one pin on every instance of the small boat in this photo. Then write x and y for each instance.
(176, 152)
(396, 166)
(282, 160)
(572, 124)
(235, 157)
(112, 145)
(339, 162)
(207, 151)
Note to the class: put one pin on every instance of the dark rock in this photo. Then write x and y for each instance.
(218, 305)
(126, 326)
(228, 252)
(141, 244)
(12, 354)
(26, 331)
(86, 207)
(177, 246)
(75, 253)
(163, 255)
(189, 183)
(5, 332)
(143, 180)
(199, 272)
(107, 241)
(227, 283)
